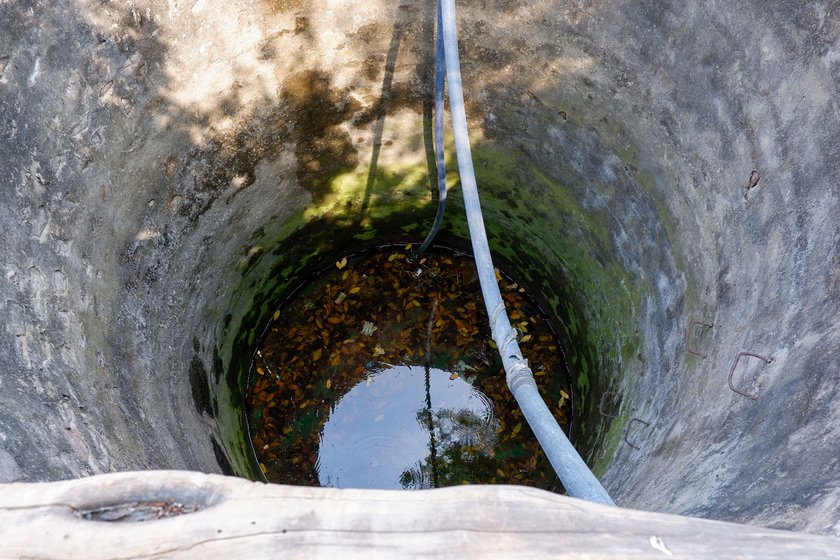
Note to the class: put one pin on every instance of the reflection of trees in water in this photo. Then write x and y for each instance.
(464, 451)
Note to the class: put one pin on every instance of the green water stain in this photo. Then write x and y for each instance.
(566, 253)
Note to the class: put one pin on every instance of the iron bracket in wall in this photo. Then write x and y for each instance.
(688, 336)
(601, 405)
(767, 360)
(627, 430)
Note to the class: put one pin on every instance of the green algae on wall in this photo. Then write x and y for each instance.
(356, 208)
(564, 252)
(560, 249)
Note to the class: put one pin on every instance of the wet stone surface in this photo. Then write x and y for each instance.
(381, 373)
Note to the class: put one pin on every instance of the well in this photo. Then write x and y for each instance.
(170, 169)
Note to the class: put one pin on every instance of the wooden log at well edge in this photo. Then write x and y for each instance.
(237, 518)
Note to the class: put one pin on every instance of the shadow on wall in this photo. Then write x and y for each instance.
(162, 158)
(151, 157)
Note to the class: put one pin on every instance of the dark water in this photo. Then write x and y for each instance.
(381, 374)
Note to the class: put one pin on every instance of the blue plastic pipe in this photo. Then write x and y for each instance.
(572, 470)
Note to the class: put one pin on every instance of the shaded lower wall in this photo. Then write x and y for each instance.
(168, 171)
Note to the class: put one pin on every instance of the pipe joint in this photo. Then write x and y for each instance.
(519, 374)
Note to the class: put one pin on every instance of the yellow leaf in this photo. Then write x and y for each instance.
(341, 264)
(408, 247)
(526, 338)
(564, 393)
(355, 290)
(261, 371)
(453, 377)
(316, 355)
(517, 428)
(329, 383)
(263, 469)
(539, 373)
(393, 257)
(276, 315)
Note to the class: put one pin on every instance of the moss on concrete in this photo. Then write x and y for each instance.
(561, 255)
(357, 208)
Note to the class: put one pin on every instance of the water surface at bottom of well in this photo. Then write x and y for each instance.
(381, 373)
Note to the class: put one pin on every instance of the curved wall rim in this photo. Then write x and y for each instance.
(155, 158)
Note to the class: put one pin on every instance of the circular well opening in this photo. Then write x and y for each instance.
(380, 372)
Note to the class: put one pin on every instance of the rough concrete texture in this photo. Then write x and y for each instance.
(155, 156)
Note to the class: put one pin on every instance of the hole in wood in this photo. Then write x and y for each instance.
(132, 512)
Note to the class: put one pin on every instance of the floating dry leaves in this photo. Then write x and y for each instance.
(376, 310)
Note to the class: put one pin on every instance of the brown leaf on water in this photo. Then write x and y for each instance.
(394, 286)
